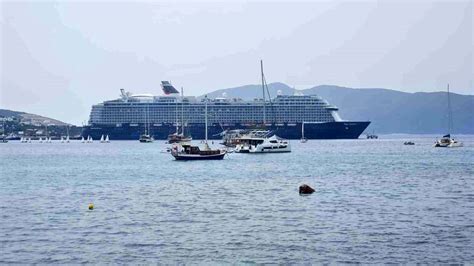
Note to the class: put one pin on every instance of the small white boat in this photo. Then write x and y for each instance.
(83, 140)
(40, 140)
(67, 139)
(62, 139)
(107, 139)
(102, 139)
(447, 142)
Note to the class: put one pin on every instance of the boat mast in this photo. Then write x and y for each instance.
(182, 112)
(450, 115)
(302, 130)
(263, 92)
(205, 115)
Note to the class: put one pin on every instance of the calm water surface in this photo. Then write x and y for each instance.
(376, 201)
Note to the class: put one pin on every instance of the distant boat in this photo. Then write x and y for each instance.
(102, 139)
(67, 134)
(179, 137)
(62, 139)
(372, 136)
(303, 139)
(107, 139)
(145, 138)
(83, 140)
(89, 139)
(446, 141)
(409, 143)
(40, 140)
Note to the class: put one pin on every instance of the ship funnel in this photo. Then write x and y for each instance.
(168, 88)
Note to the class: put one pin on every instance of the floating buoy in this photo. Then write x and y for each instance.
(305, 189)
(91, 206)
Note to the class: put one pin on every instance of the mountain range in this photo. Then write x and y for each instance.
(390, 111)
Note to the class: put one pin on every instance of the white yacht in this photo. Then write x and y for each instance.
(272, 144)
(446, 141)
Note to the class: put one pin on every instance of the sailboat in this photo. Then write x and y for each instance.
(179, 137)
(89, 139)
(303, 139)
(83, 140)
(107, 139)
(187, 152)
(40, 140)
(146, 138)
(102, 139)
(446, 141)
(67, 134)
(62, 139)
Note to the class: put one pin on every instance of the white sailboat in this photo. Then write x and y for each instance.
(67, 134)
(62, 139)
(83, 140)
(40, 140)
(107, 139)
(146, 138)
(446, 141)
(102, 139)
(303, 139)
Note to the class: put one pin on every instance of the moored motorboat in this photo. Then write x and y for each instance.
(272, 144)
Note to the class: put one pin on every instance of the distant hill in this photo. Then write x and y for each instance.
(390, 111)
(32, 119)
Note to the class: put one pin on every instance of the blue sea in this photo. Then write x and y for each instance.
(376, 201)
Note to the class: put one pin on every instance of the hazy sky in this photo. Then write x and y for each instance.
(59, 58)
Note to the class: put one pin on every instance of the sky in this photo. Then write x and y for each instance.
(57, 59)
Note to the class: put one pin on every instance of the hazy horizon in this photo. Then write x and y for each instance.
(57, 59)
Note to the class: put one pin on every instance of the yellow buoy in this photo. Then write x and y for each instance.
(91, 206)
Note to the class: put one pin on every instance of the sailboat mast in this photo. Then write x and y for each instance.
(263, 92)
(302, 130)
(450, 117)
(205, 115)
(182, 111)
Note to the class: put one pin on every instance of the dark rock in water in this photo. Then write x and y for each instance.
(305, 189)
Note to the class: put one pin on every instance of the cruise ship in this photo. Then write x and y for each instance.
(288, 116)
